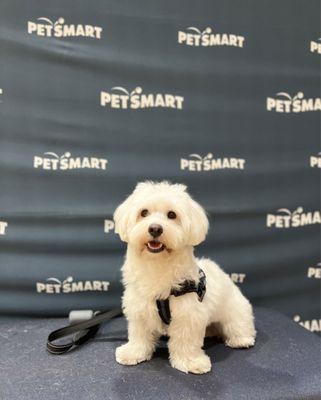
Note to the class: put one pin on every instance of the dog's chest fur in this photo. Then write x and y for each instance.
(145, 281)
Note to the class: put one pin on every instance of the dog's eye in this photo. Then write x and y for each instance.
(144, 213)
(171, 215)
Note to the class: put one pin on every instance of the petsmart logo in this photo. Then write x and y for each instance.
(315, 47)
(109, 225)
(315, 161)
(288, 219)
(286, 104)
(313, 325)
(119, 97)
(194, 37)
(315, 272)
(208, 163)
(55, 286)
(237, 278)
(3, 227)
(65, 162)
(61, 30)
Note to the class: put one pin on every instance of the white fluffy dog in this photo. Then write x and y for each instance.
(161, 224)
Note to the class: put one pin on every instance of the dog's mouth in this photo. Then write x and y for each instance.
(154, 246)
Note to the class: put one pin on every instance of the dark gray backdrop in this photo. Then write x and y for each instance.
(53, 220)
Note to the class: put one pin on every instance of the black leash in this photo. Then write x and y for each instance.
(83, 331)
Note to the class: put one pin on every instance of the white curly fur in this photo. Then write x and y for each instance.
(148, 276)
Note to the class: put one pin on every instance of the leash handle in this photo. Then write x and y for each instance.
(83, 331)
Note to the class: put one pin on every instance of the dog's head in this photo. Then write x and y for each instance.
(160, 218)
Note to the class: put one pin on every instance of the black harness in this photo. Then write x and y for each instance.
(185, 287)
(83, 331)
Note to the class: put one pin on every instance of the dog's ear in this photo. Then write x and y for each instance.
(121, 218)
(198, 223)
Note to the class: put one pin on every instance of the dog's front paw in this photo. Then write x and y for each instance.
(239, 342)
(127, 354)
(196, 365)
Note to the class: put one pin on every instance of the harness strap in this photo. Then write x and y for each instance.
(185, 287)
(164, 310)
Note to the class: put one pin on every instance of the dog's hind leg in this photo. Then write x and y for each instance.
(237, 321)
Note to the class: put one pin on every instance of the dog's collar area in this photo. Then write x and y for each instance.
(187, 286)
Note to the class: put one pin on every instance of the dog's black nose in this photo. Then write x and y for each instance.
(155, 230)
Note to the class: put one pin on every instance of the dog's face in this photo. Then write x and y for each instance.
(160, 218)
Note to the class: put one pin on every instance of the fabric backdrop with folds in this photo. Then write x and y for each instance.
(219, 95)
